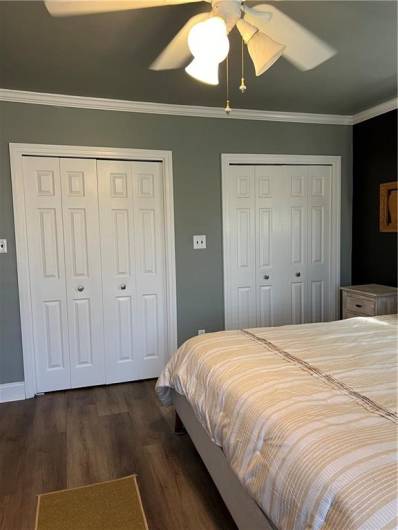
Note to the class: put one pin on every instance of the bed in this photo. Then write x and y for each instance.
(296, 424)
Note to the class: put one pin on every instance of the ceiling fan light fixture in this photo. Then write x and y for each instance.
(204, 71)
(209, 39)
(209, 44)
(263, 50)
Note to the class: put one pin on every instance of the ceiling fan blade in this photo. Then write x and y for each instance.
(70, 8)
(304, 49)
(177, 54)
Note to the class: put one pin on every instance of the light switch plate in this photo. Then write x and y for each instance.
(3, 246)
(199, 242)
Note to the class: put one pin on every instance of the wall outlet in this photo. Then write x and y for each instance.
(3, 246)
(199, 242)
(201, 331)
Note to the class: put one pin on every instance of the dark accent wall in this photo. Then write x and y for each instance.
(374, 253)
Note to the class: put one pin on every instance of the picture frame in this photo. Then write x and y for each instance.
(389, 207)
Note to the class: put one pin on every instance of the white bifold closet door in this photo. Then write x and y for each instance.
(47, 272)
(277, 245)
(97, 270)
(133, 268)
(83, 271)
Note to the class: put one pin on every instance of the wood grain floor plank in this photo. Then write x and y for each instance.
(87, 447)
(109, 400)
(51, 412)
(122, 445)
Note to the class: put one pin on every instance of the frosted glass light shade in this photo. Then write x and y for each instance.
(204, 71)
(209, 44)
(264, 51)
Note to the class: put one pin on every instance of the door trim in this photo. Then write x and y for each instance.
(335, 215)
(17, 151)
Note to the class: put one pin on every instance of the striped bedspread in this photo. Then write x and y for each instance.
(305, 415)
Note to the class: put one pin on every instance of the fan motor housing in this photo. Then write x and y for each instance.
(228, 10)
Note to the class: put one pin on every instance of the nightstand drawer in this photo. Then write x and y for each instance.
(369, 300)
(352, 314)
(359, 305)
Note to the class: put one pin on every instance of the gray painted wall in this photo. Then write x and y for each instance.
(196, 144)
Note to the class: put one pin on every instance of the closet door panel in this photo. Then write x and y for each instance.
(317, 290)
(319, 238)
(149, 267)
(296, 201)
(317, 234)
(265, 306)
(241, 233)
(116, 200)
(133, 261)
(83, 270)
(270, 185)
(297, 235)
(47, 272)
(297, 302)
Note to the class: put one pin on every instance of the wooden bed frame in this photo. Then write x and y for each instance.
(244, 510)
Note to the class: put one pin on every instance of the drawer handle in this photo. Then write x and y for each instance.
(80, 288)
(123, 287)
(266, 276)
(358, 305)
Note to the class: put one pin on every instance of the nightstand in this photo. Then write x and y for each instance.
(368, 300)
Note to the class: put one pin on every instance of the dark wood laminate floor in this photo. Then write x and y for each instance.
(66, 439)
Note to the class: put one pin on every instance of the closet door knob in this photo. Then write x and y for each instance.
(298, 274)
(266, 276)
(123, 287)
(80, 288)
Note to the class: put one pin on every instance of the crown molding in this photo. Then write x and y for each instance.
(143, 107)
(147, 107)
(387, 106)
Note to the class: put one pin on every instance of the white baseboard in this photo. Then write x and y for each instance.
(12, 391)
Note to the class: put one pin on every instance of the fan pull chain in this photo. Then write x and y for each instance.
(243, 86)
(227, 107)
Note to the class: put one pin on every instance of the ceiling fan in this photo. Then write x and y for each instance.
(267, 31)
